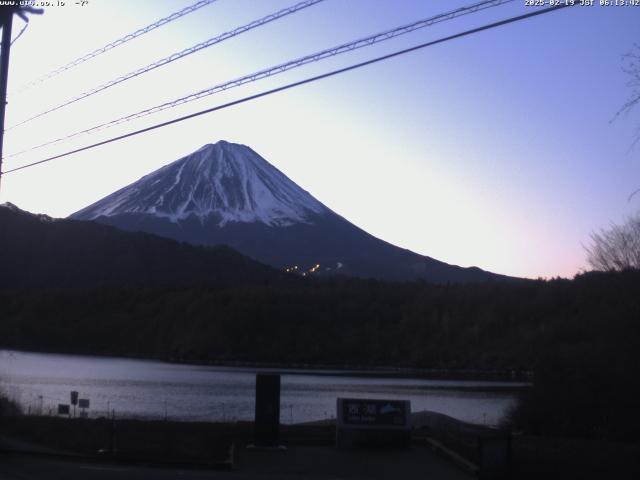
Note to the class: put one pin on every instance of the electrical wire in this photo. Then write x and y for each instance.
(176, 56)
(315, 57)
(22, 30)
(297, 84)
(115, 43)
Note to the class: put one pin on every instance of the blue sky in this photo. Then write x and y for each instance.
(495, 150)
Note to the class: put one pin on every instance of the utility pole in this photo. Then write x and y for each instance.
(7, 22)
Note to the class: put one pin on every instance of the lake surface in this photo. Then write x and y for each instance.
(153, 389)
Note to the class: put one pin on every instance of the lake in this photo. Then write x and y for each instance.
(154, 389)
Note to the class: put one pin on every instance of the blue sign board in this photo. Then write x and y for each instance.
(362, 412)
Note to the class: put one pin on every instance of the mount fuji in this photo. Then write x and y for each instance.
(225, 193)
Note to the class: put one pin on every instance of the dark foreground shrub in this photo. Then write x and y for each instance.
(582, 394)
(8, 407)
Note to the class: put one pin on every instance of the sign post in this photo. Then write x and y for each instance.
(74, 401)
(83, 403)
(373, 422)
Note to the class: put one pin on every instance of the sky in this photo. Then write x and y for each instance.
(498, 150)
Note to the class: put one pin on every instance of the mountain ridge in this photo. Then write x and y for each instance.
(39, 251)
(226, 193)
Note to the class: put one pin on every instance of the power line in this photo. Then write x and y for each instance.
(176, 56)
(315, 57)
(297, 84)
(115, 43)
(6, 21)
(22, 30)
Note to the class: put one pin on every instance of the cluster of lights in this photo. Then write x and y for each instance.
(295, 269)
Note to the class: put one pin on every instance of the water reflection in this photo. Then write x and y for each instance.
(142, 388)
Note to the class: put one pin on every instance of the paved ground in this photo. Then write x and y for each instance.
(419, 462)
(28, 467)
(312, 463)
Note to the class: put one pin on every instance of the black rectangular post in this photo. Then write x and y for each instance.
(267, 420)
(495, 455)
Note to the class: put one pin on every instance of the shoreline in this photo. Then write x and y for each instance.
(512, 379)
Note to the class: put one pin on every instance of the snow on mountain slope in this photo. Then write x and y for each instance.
(226, 181)
(226, 194)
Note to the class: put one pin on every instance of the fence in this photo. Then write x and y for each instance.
(144, 409)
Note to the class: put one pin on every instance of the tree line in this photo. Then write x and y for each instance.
(579, 336)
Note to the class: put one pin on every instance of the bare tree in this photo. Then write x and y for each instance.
(631, 66)
(616, 248)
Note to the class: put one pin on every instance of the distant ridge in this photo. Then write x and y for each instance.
(40, 251)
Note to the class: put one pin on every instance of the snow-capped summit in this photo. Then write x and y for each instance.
(226, 193)
(224, 181)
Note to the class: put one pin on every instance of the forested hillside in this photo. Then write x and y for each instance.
(338, 321)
